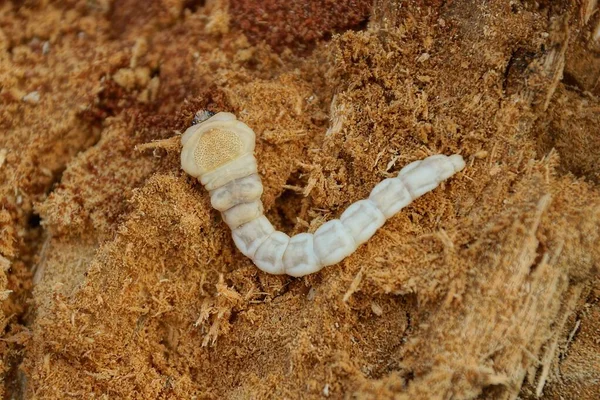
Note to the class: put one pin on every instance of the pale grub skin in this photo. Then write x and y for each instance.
(219, 151)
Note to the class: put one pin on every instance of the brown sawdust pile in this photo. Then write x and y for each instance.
(118, 280)
(305, 21)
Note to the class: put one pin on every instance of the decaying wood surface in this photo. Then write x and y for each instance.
(118, 279)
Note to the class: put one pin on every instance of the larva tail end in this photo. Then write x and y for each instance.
(457, 161)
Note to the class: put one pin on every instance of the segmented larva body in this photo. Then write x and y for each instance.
(219, 151)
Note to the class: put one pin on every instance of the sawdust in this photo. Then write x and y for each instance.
(119, 280)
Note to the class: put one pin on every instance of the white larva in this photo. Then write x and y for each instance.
(219, 151)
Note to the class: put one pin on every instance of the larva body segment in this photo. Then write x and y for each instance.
(300, 258)
(362, 219)
(251, 235)
(237, 191)
(219, 153)
(241, 213)
(333, 242)
(390, 196)
(236, 169)
(269, 256)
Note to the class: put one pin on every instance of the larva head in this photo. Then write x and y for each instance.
(214, 141)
